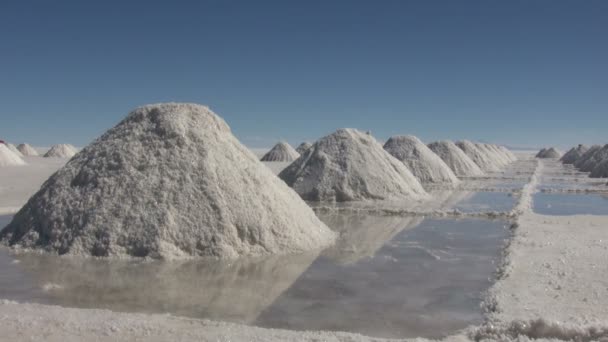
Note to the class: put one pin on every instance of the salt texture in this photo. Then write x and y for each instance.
(548, 153)
(8, 157)
(573, 154)
(350, 165)
(281, 152)
(61, 151)
(420, 160)
(169, 181)
(27, 150)
(455, 158)
(303, 147)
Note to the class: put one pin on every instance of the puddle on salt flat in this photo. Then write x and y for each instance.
(386, 277)
(570, 204)
(486, 201)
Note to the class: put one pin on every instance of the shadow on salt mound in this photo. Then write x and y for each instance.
(349, 165)
(574, 154)
(303, 147)
(420, 160)
(169, 181)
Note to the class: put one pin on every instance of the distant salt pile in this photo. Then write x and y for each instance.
(350, 165)
(548, 153)
(479, 155)
(14, 149)
(455, 158)
(593, 162)
(61, 151)
(303, 147)
(574, 154)
(169, 181)
(281, 152)
(27, 150)
(494, 152)
(420, 160)
(585, 157)
(8, 157)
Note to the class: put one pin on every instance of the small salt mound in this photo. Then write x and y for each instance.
(586, 156)
(455, 158)
(27, 150)
(350, 165)
(14, 149)
(479, 155)
(61, 151)
(594, 160)
(281, 152)
(8, 157)
(495, 153)
(548, 153)
(420, 160)
(169, 181)
(303, 147)
(574, 154)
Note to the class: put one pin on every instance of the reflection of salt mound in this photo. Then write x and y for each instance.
(419, 159)
(362, 236)
(27, 150)
(350, 165)
(168, 181)
(14, 149)
(480, 156)
(455, 158)
(594, 159)
(237, 290)
(281, 152)
(8, 157)
(61, 151)
(303, 147)
(573, 154)
(548, 153)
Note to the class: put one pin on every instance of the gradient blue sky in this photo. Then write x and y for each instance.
(525, 73)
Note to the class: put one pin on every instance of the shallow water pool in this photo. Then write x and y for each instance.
(570, 204)
(486, 202)
(385, 277)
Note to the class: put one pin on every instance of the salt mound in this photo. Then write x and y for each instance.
(508, 153)
(455, 158)
(493, 151)
(600, 170)
(420, 160)
(281, 152)
(574, 154)
(350, 165)
(587, 156)
(169, 181)
(8, 157)
(14, 149)
(548, 153)
(594, 160)
(303, 147)
(27, 150)
(61, 151)
(480, 156)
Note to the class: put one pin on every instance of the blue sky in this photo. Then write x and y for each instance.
(525, 73)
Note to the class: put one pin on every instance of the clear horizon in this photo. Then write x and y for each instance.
(518, 73)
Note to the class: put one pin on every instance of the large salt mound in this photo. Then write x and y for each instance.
(587, 156)
(303, 147)
(420, 160)
(14, 149)
(61, 151)
(27, 150)
(594, 160)
(169, 181)
(281, 152)
(455, 158)
(600, 170)
(548, 153)
(573, 154)
(480, 156)
(350, 165)
(8, 157)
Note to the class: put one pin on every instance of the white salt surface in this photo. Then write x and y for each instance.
(8, 158)
(350, 165)
(420, 160)
(169, 181)
(455, 158)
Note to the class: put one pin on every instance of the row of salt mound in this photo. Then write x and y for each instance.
(574, 154)
(169, 181)
(350, 165)
(486, 160)
(548, 153)
(595, 161)
(455, 158)
(8, 157)
(420, 160)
